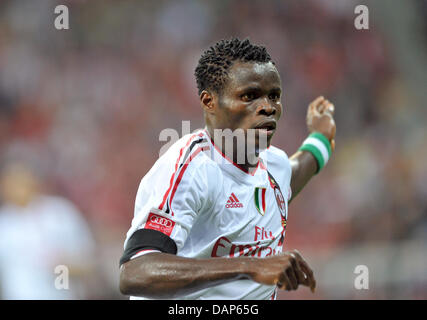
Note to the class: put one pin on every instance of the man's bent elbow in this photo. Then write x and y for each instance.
(131, 284)
(124, 282)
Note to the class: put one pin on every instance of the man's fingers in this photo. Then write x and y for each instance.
(331, 108)
(321, 105)
(327, 108)
(317, 101)
(302, 279)
(298, 271)
(292, 278)
(311, 282)
(283, 282)
(314, 106)
(310, 276)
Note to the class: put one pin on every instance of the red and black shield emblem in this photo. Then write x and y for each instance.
(281, 203)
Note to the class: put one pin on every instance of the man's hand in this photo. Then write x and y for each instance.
(287, 270)
(320, 118)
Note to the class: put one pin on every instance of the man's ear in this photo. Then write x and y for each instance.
(208, 101)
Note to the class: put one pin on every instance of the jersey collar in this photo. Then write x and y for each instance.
(233, 168)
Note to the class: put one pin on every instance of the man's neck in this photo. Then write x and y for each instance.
(236, 152)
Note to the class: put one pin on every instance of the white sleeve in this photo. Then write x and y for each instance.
(169, 199)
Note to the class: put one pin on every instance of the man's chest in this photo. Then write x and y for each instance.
(245, 220)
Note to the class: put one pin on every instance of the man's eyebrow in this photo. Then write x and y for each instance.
(276, 89)
(249, 88)
(255, 88)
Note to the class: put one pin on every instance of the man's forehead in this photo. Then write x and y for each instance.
(242, 73)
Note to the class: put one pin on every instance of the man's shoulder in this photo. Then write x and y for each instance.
(277, 162)
(274, 154)
(192, 152)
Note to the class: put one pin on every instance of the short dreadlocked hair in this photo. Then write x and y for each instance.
(212, 69)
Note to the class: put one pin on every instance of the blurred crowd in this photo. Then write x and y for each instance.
(81, 111)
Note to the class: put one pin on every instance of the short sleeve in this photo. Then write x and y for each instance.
(169, 200)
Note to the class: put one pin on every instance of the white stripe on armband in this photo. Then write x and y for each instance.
(319, 145)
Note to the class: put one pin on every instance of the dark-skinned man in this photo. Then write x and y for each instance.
(210, 219)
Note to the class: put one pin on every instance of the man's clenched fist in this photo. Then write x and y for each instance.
(320, 118)
(287, 271)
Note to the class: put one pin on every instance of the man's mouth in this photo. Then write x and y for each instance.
(268, 126)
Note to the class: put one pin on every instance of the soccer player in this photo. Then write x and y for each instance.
(210, 229)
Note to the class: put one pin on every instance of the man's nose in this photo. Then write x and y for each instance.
(265, 108)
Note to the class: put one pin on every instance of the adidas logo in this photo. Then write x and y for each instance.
(233, 202)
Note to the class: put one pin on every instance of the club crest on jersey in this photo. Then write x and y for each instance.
(279, 199)
(259, 196)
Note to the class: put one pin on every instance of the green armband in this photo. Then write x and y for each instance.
(319, 146)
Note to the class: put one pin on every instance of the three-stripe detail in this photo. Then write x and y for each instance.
(186, 155)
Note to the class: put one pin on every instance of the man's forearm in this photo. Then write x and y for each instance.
(165, 276)
(304, 167)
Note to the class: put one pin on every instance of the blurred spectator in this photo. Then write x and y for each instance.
(37, 234)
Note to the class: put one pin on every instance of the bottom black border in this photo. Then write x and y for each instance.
(212, 309)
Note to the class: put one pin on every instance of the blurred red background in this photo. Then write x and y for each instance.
(84, 108)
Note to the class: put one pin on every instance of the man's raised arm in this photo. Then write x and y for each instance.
(316, 150)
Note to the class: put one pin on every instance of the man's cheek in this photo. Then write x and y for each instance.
(279, 111)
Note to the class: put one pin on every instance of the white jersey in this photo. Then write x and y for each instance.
(193, 205)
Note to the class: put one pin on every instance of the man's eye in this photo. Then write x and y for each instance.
(274, 96)
(248, 96)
